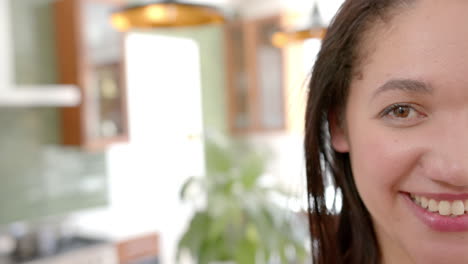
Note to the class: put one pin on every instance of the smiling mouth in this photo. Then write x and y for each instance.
(442, 207)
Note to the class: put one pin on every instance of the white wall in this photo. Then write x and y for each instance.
(164, 99)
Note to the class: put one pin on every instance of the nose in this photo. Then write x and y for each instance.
(446, 161)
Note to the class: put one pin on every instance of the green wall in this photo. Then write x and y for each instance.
(33, 38)
(38, 177)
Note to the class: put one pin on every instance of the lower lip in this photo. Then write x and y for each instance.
(436, 221)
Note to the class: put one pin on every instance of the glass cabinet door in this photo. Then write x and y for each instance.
(255, 77)
(105, 116)
(238, 75)
(91, 55)
(270, 83)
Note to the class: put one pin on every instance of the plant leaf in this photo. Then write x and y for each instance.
(246, 252)
(185, 186)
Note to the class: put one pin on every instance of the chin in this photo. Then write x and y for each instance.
(426, 246)
(441, 253)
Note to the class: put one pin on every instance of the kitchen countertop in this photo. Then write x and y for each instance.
(64, 247)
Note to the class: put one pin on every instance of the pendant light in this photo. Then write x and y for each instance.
(164, 14)
(317, 29)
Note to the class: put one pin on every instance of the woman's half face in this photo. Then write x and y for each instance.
(406, 130)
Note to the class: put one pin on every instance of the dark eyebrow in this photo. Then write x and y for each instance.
(406, 85)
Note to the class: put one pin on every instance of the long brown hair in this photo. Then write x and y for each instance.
(346, 236)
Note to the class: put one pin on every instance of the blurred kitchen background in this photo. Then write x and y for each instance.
(106, 115)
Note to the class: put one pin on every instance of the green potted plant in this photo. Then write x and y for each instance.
(238, 221)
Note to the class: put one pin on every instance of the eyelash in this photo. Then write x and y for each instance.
(394, 107)
(387, 112)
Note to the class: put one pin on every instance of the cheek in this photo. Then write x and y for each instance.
(382, 161)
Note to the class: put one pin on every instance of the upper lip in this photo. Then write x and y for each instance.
(443, 196)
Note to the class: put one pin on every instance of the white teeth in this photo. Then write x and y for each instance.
(424, 202)
(445, 208)
(433, 206)
(418, 199)
(458, 208)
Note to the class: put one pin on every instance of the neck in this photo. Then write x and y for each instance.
(392, 252)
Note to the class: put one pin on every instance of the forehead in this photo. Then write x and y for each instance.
(427, 41)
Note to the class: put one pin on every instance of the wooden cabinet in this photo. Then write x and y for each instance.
(255, 77)
(90, 55)
(139, 250)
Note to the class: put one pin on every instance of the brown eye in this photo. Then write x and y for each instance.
(403, 115)
(401, 111)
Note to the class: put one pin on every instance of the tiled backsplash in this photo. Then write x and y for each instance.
(38, 177)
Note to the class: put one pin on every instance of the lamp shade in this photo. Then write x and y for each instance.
(281, 39)
(165, 14)
(315, 30)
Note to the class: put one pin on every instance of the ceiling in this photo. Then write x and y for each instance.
(252, 8)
